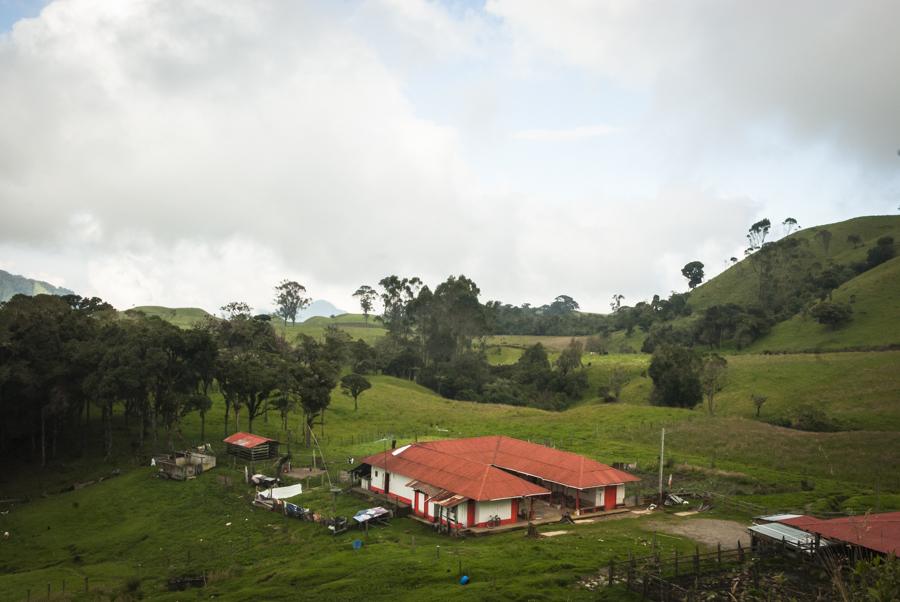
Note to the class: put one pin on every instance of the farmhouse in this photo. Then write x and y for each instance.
(251, 447)
(494, 480)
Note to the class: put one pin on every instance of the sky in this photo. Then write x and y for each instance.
(195, 152)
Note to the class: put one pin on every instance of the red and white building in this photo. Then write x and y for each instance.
(489, 480)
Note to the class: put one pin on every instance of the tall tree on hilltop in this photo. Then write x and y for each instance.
(397, 294)
(234, 309)
(789, 225)
(757, 233)
(693, 271)
(563, 304)
(290, 298)
(616, 302)
(366, 296)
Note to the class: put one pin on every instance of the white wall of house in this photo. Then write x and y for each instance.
(485, 510)
(397, 483)
(620, 494)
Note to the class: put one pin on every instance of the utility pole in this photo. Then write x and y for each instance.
(662, 452)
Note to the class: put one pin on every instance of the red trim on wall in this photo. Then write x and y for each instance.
(400, 498)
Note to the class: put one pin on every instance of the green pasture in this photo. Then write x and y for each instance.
(131, 533)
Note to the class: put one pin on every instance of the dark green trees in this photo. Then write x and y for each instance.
(290, 298)
(353, 386)
(693, 271)
(675, 372)
(831, 314)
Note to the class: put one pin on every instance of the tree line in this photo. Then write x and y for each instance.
(62, 358)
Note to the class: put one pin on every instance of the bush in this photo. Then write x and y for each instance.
(881, 252)
(831, 314)
(811, 418)
(676, 376)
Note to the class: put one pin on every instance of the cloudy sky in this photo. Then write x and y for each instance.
(193, 152)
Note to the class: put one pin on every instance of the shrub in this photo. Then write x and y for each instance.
(831, 314)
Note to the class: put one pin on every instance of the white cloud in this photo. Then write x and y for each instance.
(557, 135)
(193, 152)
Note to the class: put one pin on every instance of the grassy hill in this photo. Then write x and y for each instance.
(353, 324)
(875, 299)
(738, 284)
(13, 284)
(183, 317)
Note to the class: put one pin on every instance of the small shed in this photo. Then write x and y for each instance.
(251, 447)
(185, 465)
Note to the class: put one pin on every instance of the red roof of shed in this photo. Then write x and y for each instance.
(247, 440)
(879, 532)
(474, 480)
(565, 468)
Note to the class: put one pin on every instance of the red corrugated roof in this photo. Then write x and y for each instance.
(565, 468)
(474, 480)
(247, 440)
(879, 532)
(472, 467)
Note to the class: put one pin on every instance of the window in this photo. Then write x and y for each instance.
(376, 473)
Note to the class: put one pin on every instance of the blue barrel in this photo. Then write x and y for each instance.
(464, 579)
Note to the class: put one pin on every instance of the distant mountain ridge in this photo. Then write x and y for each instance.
(319, 307)
(13, 284)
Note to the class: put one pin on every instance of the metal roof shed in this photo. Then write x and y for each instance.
(788, 536)
(251, 447)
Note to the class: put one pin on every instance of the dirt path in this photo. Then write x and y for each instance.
(708, 531)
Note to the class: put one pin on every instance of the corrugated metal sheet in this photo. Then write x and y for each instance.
(791, 536)
(247, 440)
(879, 532)
(565, 468)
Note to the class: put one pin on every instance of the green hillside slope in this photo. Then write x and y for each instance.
(875, 299)
(184, 317)
(13, 284)
(739, 283)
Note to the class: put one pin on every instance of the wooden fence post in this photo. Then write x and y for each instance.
(740, 551)
(612, 570)
(719, 553)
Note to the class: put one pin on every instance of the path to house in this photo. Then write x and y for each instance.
(708, 531)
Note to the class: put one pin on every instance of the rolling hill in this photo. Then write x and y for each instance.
(183, 317)
(738, 284)
(13, 284)
(874, 297)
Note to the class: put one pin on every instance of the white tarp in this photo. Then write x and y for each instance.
(282, 493)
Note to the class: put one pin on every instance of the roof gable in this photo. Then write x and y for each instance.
(565, 468)
(475, 480)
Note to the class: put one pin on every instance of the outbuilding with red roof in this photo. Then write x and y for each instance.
(251, 447)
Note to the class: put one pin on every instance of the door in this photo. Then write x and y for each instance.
(387, 483)
(609, 497)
